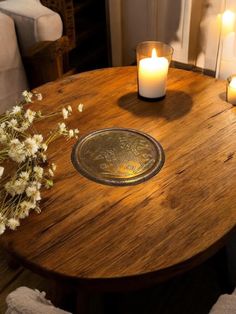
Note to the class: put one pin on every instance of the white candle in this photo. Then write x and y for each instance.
(231, 92)
(228, 21)
(152, 76)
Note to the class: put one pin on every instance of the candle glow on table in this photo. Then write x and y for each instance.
(231, 91)
(152, 76)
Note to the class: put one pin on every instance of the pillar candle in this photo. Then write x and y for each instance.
(152, 76)
(231, 91)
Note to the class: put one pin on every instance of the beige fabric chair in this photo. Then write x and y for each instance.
(226, 304)
(12, 75)
(33, 23)
(27, 301)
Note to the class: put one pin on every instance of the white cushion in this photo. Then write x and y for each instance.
(34, 22)
(226, 304)
(24, 300)
(12, 74)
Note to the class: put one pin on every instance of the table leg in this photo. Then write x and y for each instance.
(82, 301)
(62, 295)
(222, 269)
(88, 302)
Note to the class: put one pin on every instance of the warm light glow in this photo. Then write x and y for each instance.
(152, 76)
(228, 21)
(154, 53)
(233, 83)
(231, 91)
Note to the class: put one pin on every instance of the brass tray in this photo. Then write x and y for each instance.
(118, 156)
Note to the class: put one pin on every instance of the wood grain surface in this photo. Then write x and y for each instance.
(104, 236)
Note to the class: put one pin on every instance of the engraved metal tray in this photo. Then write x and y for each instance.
(118, 156)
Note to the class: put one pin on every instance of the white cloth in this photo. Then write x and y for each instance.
(34, 22)
(27, 301)
(226, 304)
(12, 75)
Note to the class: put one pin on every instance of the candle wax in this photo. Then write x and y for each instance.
(152, 76)
(231, 92)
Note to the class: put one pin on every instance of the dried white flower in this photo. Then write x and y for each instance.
(24, 175)
(1, 171)
(13, 223)
(37, 196)
(3, 135)
(16, 151)
(28, 96)
(25, 207)
(65, 113)
(39, 96)
(32, 191)
(24, 126)
(51, 173)
(2, 228)
(71, 133)
(3, 138)
(20, 144)
(38, 172)
(38, 138)
(44, 147)
(19, 186)
(13, 123)
(43, 157)
(9, 187)
(30, 115)
(16, 110)
(16, 187)
(80, 107)
(31, 146)
(62, 128)
(23, 214)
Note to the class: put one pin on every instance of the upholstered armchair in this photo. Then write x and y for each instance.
(32, 47)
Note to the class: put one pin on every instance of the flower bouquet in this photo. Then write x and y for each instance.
(24, 169)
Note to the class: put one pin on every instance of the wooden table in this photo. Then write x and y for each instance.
(111, 238)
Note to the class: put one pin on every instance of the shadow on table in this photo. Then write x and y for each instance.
(175, 105)
(222, 96)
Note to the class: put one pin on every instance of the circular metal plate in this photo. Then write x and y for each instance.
(118, 156)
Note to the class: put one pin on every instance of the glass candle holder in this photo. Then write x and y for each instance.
(153, 60)
(231, 89)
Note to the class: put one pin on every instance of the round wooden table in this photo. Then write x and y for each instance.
(112, 237)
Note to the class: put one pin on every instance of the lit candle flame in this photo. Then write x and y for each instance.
(154, 53)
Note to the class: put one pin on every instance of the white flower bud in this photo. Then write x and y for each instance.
(65, 113)
(39, 96)
(2, 228)
(13, 223)
(80, 107)
(1, 171)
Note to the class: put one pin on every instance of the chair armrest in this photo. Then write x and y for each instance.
(44, 61)
(66, 10)
(34, 22)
